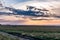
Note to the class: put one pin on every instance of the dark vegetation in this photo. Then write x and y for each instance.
(30, 28)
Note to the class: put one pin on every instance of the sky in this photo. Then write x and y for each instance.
(9, 2)
(48, 4)
(52, 5)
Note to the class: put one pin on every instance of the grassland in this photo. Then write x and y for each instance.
(4, 36)
(24, 28)
(42, 32)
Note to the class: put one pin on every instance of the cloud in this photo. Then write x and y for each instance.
(12, 20)
(45, 0)
(11, 2)
(36, 4)
(52, 4)
(21, 21)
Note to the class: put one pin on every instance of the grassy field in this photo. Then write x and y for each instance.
(7, 37)
(42, 32)
(20, 28)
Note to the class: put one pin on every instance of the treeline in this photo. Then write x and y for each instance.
(30, 25)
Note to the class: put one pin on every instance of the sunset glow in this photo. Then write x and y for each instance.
(52, 6)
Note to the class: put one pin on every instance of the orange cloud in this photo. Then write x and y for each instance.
(22, 21)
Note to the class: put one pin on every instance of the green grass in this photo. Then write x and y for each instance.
(30, 28)
(3, 37)
(46, 33)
